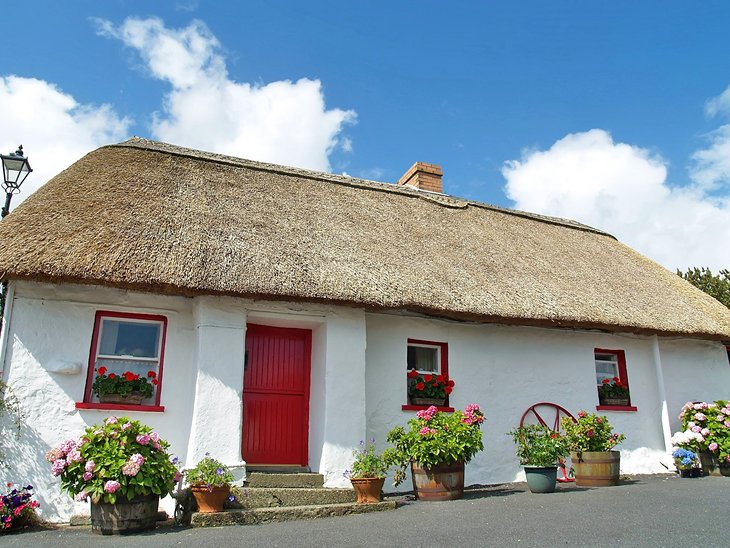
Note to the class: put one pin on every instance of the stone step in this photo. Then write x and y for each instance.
(286, 513)
(266, 497)
(301, 480)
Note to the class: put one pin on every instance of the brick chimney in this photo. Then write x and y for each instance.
(423, 176)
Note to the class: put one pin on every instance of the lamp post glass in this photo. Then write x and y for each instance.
(15, 170)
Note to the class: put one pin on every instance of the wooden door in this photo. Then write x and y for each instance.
(276, 395)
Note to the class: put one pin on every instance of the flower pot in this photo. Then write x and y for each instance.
(440, 482)
(725, 469)
(124, 516)
(133, 398)
(210, 499)
(710, 466)
(438, 402)
(541, 479)
(618, 402)
(690, 472)
(367, 489)
(596, 468)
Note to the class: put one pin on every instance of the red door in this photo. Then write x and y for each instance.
(276, 395)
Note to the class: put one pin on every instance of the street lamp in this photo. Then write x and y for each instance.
(15, 169)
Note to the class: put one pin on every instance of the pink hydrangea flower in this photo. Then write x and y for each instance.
(423, 414)
(727, 424)
(81, 497)
(705, 432)
(720, 418)
(90, 465)
(54, 454)
(126, 426)
(697, 406)
(111, 486)
(178, 476)
(154, 436)
(425, 431)
(471, 408)
(67, 446)
(58, 467)
(137, 459)
(87, 476)
(696, 429)
(130, 469)
(700, 416)
(111, 420)
(143, 439)
(713, 446)
(74, 455)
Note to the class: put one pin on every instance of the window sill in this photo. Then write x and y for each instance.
(422, 407)
(616, 408)
(120, 406)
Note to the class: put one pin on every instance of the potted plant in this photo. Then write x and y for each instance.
(368, 473)
(591, 440)
(127, 388)
(17, 509)
(687, 462)
(436, 445)
(708, 426)
(540, 449)
(210, 482)
(613, 392)
(428, 389)
(123, 467)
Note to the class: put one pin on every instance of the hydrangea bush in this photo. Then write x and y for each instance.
(590, 432)
(705, 427)
(120, 458)
(685, 459)
(17, 508)
(435, 437)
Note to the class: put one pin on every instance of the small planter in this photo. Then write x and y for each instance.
(690, 473)
(367, 489)
(210, 500)
(438, 402)
(133, 398)
(541, 479)
(596, 468)
(710, 466)
(441, 482)
(124, 517)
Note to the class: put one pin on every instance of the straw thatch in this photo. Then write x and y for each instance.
(154, 217)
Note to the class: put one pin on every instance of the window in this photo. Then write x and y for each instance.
(426, 358)
(125, 343)
(612, 381)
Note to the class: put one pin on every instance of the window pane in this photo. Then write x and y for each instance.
(422, 358)
(119, 338)
(606, 367)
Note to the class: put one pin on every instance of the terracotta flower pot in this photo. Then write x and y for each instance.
(210, 499)
(367, 489)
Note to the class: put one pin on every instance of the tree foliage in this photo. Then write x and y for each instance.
(717, 286)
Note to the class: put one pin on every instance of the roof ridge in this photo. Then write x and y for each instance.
(444, 200)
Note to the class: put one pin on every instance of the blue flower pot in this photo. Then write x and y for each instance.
(541, 479)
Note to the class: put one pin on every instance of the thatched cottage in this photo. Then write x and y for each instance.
(280, 309)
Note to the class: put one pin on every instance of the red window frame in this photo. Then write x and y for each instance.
(443, 370)
(622, 375)
(101, 314)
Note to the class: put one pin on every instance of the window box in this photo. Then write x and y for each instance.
(428, 360)
(126, 345)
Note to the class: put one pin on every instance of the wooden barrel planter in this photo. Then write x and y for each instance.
(440, 482)
(124, 516)
(596, 469)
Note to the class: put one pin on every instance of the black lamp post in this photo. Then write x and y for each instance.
(15, 169)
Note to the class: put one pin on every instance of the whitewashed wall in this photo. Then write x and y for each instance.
(507, 369)
(357, 380)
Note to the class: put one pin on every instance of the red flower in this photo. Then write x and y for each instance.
(155, 382)
(412, 374)
(112, 376)
(420, 386)
(451, 384)
(129, 375)
(606, 381)
(428, 378)
(448, 390)
(441, 378)
(152, 374)
(435, 384)
(616, 379)
(101, 370)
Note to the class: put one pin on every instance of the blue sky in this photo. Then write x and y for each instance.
(609, 113)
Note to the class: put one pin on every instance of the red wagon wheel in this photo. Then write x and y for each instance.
(549, 415)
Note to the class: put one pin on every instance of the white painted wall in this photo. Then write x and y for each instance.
(357, 379)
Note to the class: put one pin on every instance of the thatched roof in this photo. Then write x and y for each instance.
(154, 217)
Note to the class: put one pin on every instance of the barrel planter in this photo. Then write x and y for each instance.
(124, 516)
(596, 468)
(541, 479)
(440, 482)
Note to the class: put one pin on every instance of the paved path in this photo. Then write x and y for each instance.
(643, 511)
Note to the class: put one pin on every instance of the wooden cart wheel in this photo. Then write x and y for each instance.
(549, 415)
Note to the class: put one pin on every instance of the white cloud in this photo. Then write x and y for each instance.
(283, 122)
(623, 190)
(54, 129)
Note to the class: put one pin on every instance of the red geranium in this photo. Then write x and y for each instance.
(420, 386)
(429, 385)
(412, 374)
(112, 375)
(101, 370)
(428, 378)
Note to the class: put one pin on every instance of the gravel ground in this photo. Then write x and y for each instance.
(643, 511)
